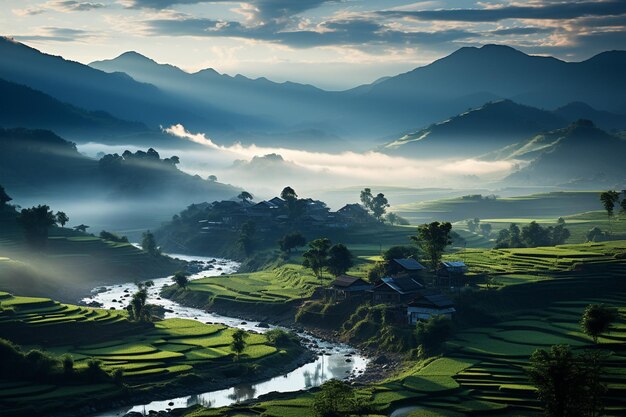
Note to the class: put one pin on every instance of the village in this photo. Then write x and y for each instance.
(414, 292)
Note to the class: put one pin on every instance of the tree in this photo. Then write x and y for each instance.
(339, 259)
(597, 319)
(595, 234)
(366, 198)
(288, 194)
(568, 386)
(432, 239)
(534, 235)
(609, 199)
(181, 279)
(138, 309)
(291, 241)
(36, 223)
(485, 229)
(4, 197)
(61, 218)
(334, 399)
(560, 234)
(245, 242)
(244, 195)
(400, 252)
(432, 333)
(149, 245)
(317, 256)
(379, 206)
(238, 344)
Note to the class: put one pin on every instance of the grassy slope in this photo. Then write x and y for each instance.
(151, 357)
(546, 205)
(72, 264)
(483, 370)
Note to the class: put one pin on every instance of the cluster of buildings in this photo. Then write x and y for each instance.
(308, 213)
(405, 288)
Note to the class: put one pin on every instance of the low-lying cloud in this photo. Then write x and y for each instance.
(316, 170)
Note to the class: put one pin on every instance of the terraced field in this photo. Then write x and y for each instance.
(484, 369)
(150, 356)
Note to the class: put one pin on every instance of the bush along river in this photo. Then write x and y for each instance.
(332, 360)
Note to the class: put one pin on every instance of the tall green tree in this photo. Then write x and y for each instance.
(433, 239)
(366, 198)
(181, 278)
(149, 245)
(138, 308)
(609, 199)
(339, 259)
(567, 385)
(246, 237)
(597, 319)
(379, 206)
(238, 344)
(316, 257)
(61, 218)
(36, 223)
(291, 241)
(295, 207)
(335, 399)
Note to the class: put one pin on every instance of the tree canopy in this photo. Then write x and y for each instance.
(4, 197)
(149, 245)
(597, 319)
(291, 241)
(433, 239)
(609, 199)
(36, 223)
(339, 259)
(316, 257)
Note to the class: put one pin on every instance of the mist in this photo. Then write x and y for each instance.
(264, 171)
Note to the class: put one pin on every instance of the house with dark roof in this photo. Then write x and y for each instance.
(426, 305)
(346, 287)
(451, 274)
(407, 267)
(355, 214)
(399, 290)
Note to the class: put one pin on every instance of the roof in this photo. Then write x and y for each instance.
(437, 300)
(401, 285)
(345, 281)
(265, 204)
(454, 264)
(278, 201)
(352, 207)
(409, 264)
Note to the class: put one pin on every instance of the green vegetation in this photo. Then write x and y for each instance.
(483, 368)
(145, 356)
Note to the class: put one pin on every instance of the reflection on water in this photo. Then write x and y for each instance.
(330, 362)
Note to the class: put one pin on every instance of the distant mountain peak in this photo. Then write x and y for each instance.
(133, 55)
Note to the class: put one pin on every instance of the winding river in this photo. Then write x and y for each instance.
(330, 362)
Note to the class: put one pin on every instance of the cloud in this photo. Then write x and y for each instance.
(356, 32)
(63, 6)
(56, 34)
(345, 168)
(520, 31)
(551, 11)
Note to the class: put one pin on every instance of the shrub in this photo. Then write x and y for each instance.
(68, 364)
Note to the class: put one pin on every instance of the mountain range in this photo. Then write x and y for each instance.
(135, 88)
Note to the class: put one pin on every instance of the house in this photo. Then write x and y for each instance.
(395, 290)
(355, 214)
(426, 305)
(263, 209)
(278, 202)
(451, 274)
(346, 287)
(407, 267)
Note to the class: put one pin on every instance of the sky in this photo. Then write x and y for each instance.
(334, 44)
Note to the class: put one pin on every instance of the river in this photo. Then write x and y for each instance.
(331, 361)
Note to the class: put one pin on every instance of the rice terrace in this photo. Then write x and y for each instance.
(321, 208)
